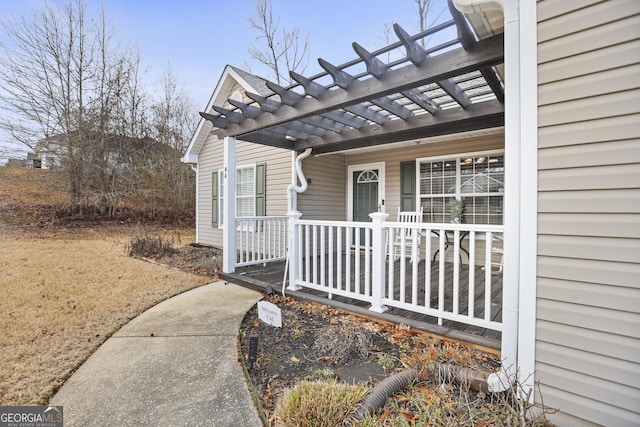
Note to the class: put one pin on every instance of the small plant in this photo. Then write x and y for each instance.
(297, 334)
(324, 374)
(318, 404)
(457, 210)
(385, 361)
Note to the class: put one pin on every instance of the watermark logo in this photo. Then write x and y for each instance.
(31, 416)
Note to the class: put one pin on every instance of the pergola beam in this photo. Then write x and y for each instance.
(485, 53)
(482, 115)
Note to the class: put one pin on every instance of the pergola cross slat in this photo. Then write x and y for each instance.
(449, 89)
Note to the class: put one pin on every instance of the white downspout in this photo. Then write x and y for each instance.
(503, 379)
(293, 189)
(292, 205)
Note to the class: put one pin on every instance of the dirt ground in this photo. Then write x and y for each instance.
(320, 342)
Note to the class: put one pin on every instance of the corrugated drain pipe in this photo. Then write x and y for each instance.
(386, 388)
(441, 372)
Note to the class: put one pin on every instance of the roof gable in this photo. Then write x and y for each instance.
(232, 80)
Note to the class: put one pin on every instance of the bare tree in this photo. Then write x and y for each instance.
(283, 50)
(424, 7)
(65, 83)
(424, 12)
(172, 125)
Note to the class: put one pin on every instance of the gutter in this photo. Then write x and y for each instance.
(507, 375)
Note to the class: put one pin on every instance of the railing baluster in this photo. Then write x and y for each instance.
(456, 272)
(315, 254)
(339, 256)
(487, 277)
(267, 239)
(348, 239)
(415, 260)
(367, 262)
(441, 268)
(472, 275)
(307, 250)
(300, 252)
(403, 268)
(356, 267)
(330, 255)
(391, 256)
(427, 269)
(323, 255)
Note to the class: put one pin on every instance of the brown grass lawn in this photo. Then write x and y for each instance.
(63, 294)
(64, 291)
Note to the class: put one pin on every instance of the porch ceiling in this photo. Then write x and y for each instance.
(429, 91)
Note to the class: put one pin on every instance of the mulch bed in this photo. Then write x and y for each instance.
(315, 342)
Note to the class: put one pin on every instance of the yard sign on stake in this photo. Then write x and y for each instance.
(270, 313)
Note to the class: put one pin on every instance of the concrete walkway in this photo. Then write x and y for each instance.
(174, 365)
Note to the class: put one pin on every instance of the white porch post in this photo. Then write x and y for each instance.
(229, 209)
(294, 245)
(378, 262)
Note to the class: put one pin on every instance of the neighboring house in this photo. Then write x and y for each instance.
(50, 151)
(112, 151)
(548, 172)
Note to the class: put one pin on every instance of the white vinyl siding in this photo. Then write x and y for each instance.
(588, 317)
(325, 198)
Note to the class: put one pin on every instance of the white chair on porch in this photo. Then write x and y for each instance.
(499, 250)
(404, 238)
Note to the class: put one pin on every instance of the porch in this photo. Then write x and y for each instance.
(446, 279)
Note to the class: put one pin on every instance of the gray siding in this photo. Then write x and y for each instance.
(588, 327)
(325, 198)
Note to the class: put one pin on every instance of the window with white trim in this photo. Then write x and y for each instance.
(476, 180)
(249, 193)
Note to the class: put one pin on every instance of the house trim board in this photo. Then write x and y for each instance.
(529, 189)
(229, 233)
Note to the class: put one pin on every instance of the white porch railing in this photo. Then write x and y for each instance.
(330, 258)
(428, 275)
(261, 239)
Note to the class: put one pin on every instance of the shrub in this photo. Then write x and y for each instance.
(318, 404)
(150, 246)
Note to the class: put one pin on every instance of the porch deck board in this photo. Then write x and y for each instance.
(259, 276)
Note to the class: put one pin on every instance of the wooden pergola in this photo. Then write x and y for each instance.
(449, 88)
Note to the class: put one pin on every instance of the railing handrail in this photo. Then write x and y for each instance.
(259, 218)
(335, 223)
(483, 228)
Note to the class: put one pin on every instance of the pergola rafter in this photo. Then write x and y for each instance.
(450, 88)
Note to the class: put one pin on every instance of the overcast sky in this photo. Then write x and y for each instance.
(199, 37)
